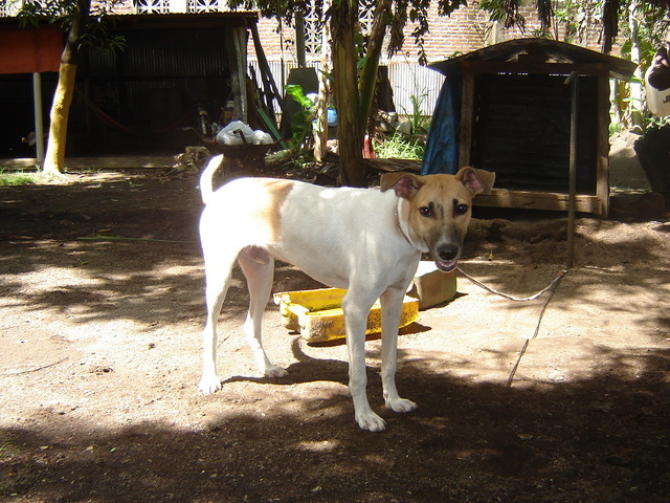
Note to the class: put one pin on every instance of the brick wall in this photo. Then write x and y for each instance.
(467, 29)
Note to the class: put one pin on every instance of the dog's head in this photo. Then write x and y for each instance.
(437, 209)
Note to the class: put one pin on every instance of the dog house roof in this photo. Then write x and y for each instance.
(538, 50)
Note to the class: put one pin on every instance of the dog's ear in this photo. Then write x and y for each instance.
(405, 185)
(477, 181)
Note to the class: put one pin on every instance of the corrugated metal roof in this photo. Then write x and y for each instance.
(183, 20)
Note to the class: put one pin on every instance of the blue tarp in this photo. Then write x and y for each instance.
(441, 154)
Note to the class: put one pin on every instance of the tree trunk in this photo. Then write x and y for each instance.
(368, 78)
(60, 108)
(321, 130)
(349, 131)
(54, 159)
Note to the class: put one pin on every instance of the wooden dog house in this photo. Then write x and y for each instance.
(506, 108)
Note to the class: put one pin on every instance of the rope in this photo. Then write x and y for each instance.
(36, 369)
(551, 288)
(112, 122)
(525, 344)
(556, 280)
(100, 237)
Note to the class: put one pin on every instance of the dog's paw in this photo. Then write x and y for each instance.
(274, 372)
(209, 385)
(370, 422)
(401, 405)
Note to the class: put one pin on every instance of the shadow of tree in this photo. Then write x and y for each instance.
(148, 279)
(598, 439)
(637, 290)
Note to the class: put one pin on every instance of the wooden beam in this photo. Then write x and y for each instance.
(39, 117)
(541, 68)
(572, 169)
(300, 39)
(602, 143)
(467, 119)
(532, 200)
(269, 85)
(98, 162)
(393, 165)
(240, 44)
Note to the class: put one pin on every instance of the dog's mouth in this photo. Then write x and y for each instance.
(446, 265)
(446, 255)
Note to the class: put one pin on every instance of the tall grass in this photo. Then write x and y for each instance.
(400, 146)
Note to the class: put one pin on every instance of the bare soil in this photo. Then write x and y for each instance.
(99, 361)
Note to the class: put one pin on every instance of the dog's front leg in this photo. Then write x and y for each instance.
(356, 307)
(391, 302)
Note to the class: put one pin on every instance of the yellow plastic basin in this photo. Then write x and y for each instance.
(318, 316)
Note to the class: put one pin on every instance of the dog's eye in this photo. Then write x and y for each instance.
(426, 211)
(460, 208)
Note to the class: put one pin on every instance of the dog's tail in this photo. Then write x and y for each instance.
(207, 176)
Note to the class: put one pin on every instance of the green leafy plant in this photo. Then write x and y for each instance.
(301, 122)
(399, 146)
(296, 92)
(420, 121)
(652, 122)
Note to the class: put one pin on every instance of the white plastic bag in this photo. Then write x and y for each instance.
(232, 135)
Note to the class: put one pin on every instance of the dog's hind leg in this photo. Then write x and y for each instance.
(391, 303)
(217, 276)
(258, 267)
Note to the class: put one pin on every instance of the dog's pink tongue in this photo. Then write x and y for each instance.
(445, 265)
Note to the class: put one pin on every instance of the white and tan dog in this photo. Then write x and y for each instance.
(368, 241)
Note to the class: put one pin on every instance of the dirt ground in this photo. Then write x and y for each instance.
(99, 361)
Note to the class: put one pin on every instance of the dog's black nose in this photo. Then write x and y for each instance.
(447, 252)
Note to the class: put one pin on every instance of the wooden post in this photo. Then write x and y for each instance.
(238, 72)
(39, 120)
(467, 116)
(572, 175)
(300, 39)
(269, 84)
(603, 145)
